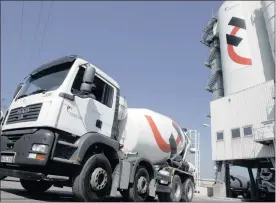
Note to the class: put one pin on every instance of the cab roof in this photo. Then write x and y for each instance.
(73, 58)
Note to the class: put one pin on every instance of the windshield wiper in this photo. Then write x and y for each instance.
(38, 91)
(35, 92)
(21, 96)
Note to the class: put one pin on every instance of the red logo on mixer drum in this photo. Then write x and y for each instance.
(234, 41)
(162, 144)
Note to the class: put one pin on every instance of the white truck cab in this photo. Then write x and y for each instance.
(51, 97)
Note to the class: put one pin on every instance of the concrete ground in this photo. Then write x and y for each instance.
(11, 191)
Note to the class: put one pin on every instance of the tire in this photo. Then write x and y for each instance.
(125, 196)
(133, 192)
(188, 190)
(176, 193)
(35, 187)
(94, 181)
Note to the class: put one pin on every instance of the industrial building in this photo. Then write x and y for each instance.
(241, 40)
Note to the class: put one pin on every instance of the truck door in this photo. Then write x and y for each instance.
(96, 110)
(105, 105)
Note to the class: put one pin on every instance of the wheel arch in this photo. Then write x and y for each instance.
(145, 163)
(94, 143)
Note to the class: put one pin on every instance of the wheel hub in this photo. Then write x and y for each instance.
(98, 179)
(142, 185)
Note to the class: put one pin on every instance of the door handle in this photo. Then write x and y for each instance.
(99, 124)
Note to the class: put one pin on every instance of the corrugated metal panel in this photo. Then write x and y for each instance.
(248, 107)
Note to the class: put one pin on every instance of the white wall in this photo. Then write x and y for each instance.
(248, 107)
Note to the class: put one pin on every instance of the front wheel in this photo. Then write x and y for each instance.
(35, 187)
(94, 181)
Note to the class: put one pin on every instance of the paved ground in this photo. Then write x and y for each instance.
(11, 191)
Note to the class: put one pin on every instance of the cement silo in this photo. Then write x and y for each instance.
(241, 38)
(268, 8)
(245, 50)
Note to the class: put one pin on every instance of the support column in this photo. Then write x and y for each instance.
(227, 180)
(254, 189)
(219, 188)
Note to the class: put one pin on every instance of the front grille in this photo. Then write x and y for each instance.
(24, 114)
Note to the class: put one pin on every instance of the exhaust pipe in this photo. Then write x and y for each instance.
(181, 165)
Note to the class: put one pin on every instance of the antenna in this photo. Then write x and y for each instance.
(212, 12)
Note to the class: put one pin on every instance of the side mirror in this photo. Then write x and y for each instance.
(17, 89)
(88, 78)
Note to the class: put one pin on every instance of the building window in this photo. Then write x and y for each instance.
(236, 133)
(219, 135)
(103, 92)
(247, 131)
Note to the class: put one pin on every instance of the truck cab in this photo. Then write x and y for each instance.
(52, 98)
(57, 117)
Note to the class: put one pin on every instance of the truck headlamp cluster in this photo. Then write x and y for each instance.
(40, 148)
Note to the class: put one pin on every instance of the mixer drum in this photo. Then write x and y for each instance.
(149, 133)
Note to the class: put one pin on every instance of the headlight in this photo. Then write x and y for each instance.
(40, 148)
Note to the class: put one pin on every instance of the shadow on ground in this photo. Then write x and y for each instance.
(50, 196)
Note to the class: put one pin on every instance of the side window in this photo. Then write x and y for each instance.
(78, 80)
(220, 136)
(102, 91)
(247, 131)
(236, 133)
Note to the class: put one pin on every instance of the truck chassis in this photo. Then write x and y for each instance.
(94, 166)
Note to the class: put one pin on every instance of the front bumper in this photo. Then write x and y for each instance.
(19, 149)
(22, 174)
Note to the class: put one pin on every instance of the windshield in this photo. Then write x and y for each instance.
(46, 80)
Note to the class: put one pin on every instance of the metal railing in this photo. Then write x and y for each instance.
(195, 138)
(265, 133)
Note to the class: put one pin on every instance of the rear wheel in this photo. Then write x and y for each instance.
(188, 190)
(35, 187)
(94, 181)
(176, 191)
(139, 190)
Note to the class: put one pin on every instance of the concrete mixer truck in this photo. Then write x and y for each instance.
(68, 126)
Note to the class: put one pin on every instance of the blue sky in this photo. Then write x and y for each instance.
(152, 49)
